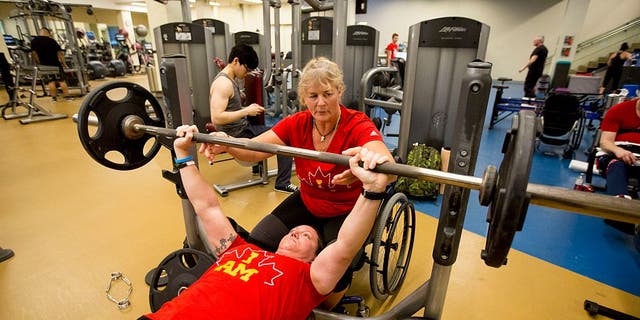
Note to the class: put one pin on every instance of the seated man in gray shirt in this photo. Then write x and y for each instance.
(229, 116)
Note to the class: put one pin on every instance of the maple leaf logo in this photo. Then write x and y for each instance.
(318, 179)
(265, 262)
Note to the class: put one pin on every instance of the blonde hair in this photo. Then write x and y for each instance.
(321, 71)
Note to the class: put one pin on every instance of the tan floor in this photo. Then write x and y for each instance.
(72, 222)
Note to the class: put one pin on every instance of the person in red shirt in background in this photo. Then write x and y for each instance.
(391, 49)
(328, 191)
(621, 123)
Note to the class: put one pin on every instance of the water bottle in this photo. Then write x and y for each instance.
(579, 185)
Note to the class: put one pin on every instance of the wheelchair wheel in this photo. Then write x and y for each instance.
(392, 245)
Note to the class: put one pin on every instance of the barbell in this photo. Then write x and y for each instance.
(126, 125)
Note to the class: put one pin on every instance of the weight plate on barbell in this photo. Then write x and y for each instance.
(110, 112)
(181, 269)
(508, 209)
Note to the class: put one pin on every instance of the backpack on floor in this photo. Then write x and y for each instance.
(421, 156)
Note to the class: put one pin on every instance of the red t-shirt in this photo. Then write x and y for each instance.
(247, 283)
(322, 198)
(393, 47)
(620, 117)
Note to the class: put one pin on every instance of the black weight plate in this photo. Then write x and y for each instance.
(510, 200)
(109, 136)
(180, 269)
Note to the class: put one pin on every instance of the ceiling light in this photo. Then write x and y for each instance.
(139, 4)
(192, 1)
(213, 3)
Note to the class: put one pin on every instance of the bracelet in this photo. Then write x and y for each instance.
(185, 164)
(183, 160)
(373, 195)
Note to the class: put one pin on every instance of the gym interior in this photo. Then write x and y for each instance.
(86, 237)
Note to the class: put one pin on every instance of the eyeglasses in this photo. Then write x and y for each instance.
(249, 70)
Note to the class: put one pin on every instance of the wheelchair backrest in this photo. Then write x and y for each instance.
(560, 113)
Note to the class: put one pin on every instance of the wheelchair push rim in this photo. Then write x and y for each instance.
(389, 267)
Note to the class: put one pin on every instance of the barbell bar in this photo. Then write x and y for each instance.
(548, 196)
(128, 124)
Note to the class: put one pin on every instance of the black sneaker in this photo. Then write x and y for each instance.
(5, 254)
(54, 99)
(290, 188)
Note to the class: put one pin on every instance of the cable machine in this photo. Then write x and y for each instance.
(33, 15)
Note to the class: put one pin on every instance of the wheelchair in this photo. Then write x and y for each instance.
(561, 117)
(390, 241)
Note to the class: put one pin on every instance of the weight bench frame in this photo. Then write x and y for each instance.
(35, 112)
(224, 190)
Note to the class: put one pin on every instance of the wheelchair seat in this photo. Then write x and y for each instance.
(560, 116)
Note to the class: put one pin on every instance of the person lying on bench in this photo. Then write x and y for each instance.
(247, 282)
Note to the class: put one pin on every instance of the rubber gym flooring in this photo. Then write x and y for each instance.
(72, 221)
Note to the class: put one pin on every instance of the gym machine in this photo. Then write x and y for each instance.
(196, 43)
(33, 15)
(437, 55)
(360, 55)
(220, 35)
(35, 112)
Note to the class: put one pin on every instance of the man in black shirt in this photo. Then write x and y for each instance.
(48, 52)
(535, 65)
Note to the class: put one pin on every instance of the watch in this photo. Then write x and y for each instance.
(185, 164)
(373, 195)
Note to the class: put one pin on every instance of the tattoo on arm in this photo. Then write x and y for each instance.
(224, 244)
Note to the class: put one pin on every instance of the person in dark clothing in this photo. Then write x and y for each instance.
(7, 78)
(614, 70)
(48, 52)
(535, 66)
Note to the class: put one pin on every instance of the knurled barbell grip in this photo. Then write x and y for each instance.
(398, 169)
(593, 204)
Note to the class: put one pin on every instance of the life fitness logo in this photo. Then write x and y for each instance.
(447, 29)
(360, 33)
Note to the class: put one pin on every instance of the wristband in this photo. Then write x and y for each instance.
(183, 160)
(373, 195)
(185, 164)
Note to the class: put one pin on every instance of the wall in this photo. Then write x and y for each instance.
(513, 23)
(606, 15)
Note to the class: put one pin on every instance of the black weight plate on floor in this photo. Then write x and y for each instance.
(109, 136)
(508, 209)
(180, 269)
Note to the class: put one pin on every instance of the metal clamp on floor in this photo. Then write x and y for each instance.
(124, 302)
